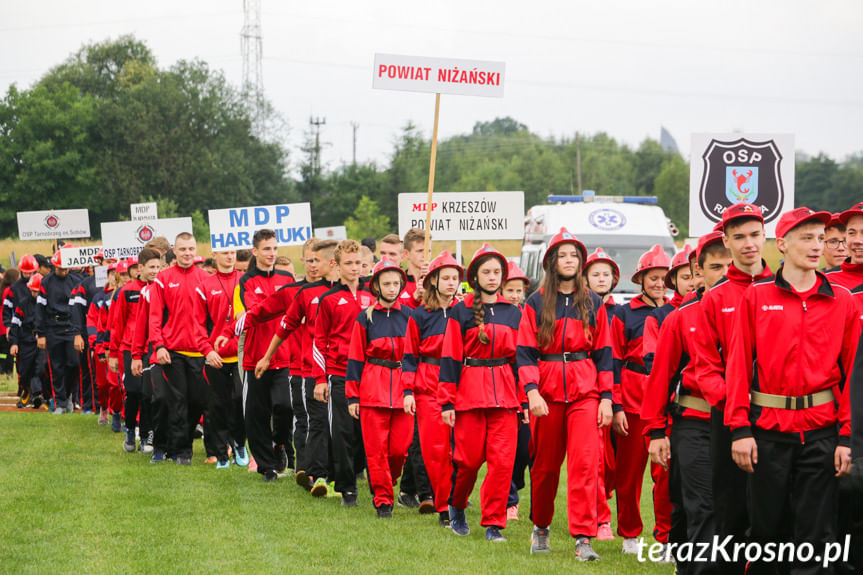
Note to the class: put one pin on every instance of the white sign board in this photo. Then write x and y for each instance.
(144, 212)
(82, 257)
(233, 228)
(727, 169)
(438, 75)
(101, 276)
(332, 233)
(126, 239)
(465, 215)
(53, 224)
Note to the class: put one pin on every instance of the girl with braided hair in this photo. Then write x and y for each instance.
(478, 392)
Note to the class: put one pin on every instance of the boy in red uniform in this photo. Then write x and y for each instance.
(743, 229)
(789, 420)
(850, 273)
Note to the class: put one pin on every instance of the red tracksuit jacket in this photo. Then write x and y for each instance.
(125, 310)
(369, 384)
(270, 310)
(799, 343)
(217, 301)
(462, 387)
(651, 329)
(299, 320)
(337, 312)
(849, 275)
(406, 298)
(254, 288)
(424, 339)
(673, 368)
(173, 322)
(714, 331)
(627, 330)
(574, 380)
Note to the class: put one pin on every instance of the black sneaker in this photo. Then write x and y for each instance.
(281, 458)
(408, 500)
(270, 476)
(303, 480)
(426, 506)
(349, 499)
(443, 520)
(385, 512)
(37, 401)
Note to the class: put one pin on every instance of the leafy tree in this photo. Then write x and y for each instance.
(672, 190)
(367, 221)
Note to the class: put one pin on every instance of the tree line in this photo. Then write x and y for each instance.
(109, 127)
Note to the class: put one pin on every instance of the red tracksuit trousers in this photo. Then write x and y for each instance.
(569, 430)
(603, 511)
(110, 387)
(485, 435)
(631, 459)
(387, 435)
(436, 447)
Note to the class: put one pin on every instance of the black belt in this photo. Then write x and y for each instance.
(384, 362)
(565, 357)
(429, 360)
(477, 362)
(60, 317)
(636, 367)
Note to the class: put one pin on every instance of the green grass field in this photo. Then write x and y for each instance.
(74, 502)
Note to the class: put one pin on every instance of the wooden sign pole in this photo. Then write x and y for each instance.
(431, 177)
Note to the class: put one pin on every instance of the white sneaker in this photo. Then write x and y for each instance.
(665, 557)
(630, 545)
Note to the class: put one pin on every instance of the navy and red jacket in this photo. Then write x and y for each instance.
(254, 288)
(97, 320)
(610, 307)
(299, 321)
(651, 328)
(383, 338)
(141, 344)
(81, 300)
(673, 371)
(23, 324)
(424, 339)
(124, 312)
(174, 323)
(713, 337)
(630, 374)
(16, 292)
(571, 381)
(472, 387)
(337, 312)
(786, 345)
(54, 315)
(217, 299)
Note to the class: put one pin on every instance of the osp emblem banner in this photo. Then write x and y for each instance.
(727, 169)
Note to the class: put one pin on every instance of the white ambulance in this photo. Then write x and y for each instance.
(623, 226)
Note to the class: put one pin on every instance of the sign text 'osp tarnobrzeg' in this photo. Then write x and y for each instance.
(53, 224)
(438, 75)
(233, 228)
(465, 215)
(126, 239)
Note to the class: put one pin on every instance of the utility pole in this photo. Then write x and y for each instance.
(316, 124)
(355, 127)
(251, 44)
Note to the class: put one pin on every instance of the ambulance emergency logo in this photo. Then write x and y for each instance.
(52, 222)
(741, 171)
(145, 233)
(606, 219)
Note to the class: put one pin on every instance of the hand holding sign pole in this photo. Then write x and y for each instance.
(437, 76)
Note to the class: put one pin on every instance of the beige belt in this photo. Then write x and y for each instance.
(790, 402)
(692, 402)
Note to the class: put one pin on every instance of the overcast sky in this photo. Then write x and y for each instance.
(625, 67)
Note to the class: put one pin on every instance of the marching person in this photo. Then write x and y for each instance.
(178, 336)
(125, 309)
(630, 374)
(30, 360)
(268, 416)
(790, 422)
(743, 234)
(108, 392)
(850, 273)
(57, 333)
(421, 374)
(671, 389)
(835, 249)
(16, 293)
(337, 312)
(679, 278)
(223, 426)
(565, 364)
(373, 384)
(300, 318)
(477, 393)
